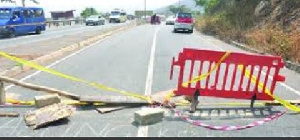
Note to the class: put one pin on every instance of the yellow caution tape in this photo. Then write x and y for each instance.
(72, 78)
(201, 77)
(260, 85)
(99, 86)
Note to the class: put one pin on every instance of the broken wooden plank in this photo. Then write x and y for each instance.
(2, 93)
(7, 114)
(39, 88)
(43, 116)
(113, 99)
(42, 101)
(108, 109)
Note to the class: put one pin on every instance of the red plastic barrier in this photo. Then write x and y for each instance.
(227, 81)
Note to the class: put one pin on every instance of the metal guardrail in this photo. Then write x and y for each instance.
(56, 23)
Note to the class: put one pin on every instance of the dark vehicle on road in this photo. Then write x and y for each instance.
(155, 20)
(184, 22)
(130, 17)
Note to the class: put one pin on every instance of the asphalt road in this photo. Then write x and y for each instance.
(138, 60)
(53, 33)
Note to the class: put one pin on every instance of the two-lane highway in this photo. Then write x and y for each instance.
(139, 60)
(54, 33)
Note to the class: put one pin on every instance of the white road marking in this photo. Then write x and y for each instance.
(143, 130)
(282, 84)
(149, 80)
(57, 62)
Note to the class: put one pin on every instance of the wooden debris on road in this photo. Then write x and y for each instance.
(46, 115)
(108, 109)
(42, 101)
(6, 114)
(39, 88)
(113, 100)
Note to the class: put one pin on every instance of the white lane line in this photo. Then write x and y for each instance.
(57, 62)
(282, 84)
(143, 130)
(149, 80)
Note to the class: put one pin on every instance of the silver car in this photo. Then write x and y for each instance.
(95, 20)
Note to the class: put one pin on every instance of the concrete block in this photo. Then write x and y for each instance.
(148, 116)
(42, 101)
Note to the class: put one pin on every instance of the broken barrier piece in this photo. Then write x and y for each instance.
(39, 88)
(148, 116)
(42, 101)
(107, 109)
(43, 116)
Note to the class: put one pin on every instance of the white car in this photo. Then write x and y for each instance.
(170, 20)
(95, 20)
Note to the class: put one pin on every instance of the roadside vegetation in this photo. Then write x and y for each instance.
(173, 9)
(88, 12)
(271, 26)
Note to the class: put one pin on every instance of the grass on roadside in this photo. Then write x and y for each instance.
(270, 39)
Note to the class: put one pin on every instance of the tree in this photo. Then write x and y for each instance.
(210, 6)
(23, 1)
(88, 12)
(175, 9)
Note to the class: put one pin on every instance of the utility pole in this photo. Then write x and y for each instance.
(179, 6)
(145, 10)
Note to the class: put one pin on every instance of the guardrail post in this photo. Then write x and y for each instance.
(2, 93)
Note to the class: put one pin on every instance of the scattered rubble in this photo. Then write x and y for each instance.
(148, 116)
(43, 116)
(42, 101)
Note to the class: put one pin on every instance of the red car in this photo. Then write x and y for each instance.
(184, 21)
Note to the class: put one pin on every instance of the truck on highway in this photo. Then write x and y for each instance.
(117, 16)
(21, 20)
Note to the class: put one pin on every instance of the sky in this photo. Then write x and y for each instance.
(101, 5)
